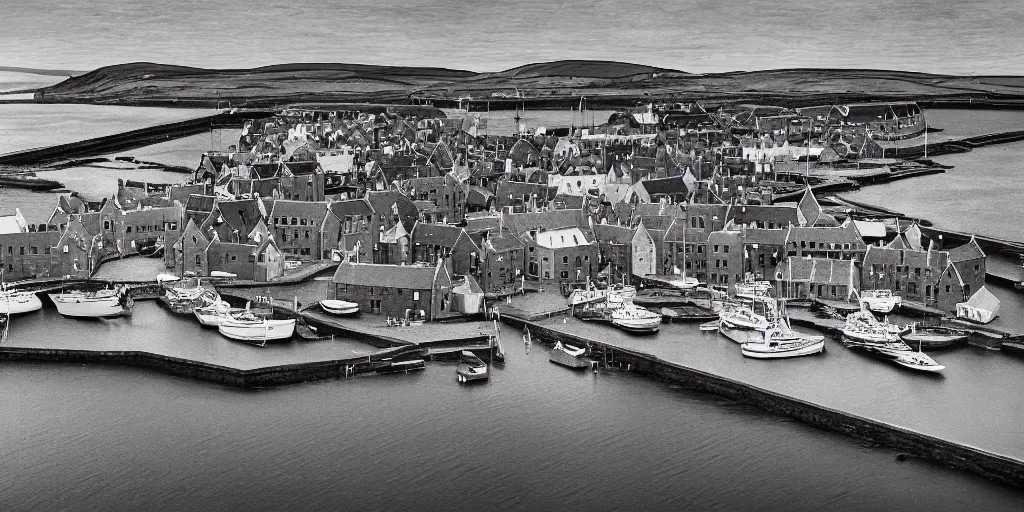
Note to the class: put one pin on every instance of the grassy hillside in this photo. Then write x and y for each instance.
(544, 84)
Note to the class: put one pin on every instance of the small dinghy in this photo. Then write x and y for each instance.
(339, 307)
(471, 368)
(571, 357)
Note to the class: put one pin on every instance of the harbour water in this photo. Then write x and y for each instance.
(537, 436)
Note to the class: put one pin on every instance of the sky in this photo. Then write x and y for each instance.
(951, 37)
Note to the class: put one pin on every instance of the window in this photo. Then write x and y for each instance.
(833, 290)
(65, 249)
(812, 245)
(128, 229)
(565, 274)
(302, 222)
(295, 221)
(307, 233)
(46, 250)
(725, 263)
(803, 244)
(106, 225)
(718, 263)
(33, 250)
(234, 258)
(198, 261)
(716, 248)
(725, 249)
(375, 306)
(22, 251)
(700, 249)
(565, 260)
(947, 288)
(415, 295)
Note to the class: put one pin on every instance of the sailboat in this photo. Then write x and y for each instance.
(781, 341)
(15, 302)
(98, 304)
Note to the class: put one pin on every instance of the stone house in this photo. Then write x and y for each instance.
(433, 242)
(297, 227)
(401, 291)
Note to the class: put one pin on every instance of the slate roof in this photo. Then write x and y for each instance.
(780, 215)
(504, 243)
(303, 168)
(519, 223)
(409, 277)
(608, 233)
(351, 207)
(426, 233)
(969, 251)
(671, 185)
(301, 209)
(817, 270)
(264, 170)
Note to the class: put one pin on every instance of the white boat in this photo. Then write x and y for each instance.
(914, 360)
(98, 304)
(780, 342)
(222, 274)
(881, 301)
(166, 278)
(15, 302)
(471, 368)
(250, 328)
(572, 357)
(749, 289)
(211, 314)
(634, 318)
(863, 329)
(339, 307)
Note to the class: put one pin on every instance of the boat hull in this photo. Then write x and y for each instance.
(638, 325)
(19, 303)
(568, 360)
(762, 351)
(339, 308)
(740, 334)
(105, 307)
(471, 373)
(257, 332)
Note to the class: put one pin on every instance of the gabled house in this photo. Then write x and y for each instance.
(502, 263)
(247, 261)
(843, 242)
(298, 226)
(145, 231)
(822, 278)
(350, 228)
(234, 220)
(434, 242)
(410, 292)
(77, 251)
(188, 252)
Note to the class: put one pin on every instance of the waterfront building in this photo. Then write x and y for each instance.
(434, 242)
(146, 230)
(932, 277)
(188, 252)
(25, 254)
(821, 278)
(842, 242)
(254, 260)
(349, 228)
(410, 292)
(78, 251)
(234, 220)
(502, 264)
(298, 227)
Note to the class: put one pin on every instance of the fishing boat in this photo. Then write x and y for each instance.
(339, 307)
(98, 304)
(633, 318)
(781, 341)
(251, 328)
(742, 324)
(183, 296)
(568, 356)
(16, 302)
(863, 329)
(471, 368)
(933, 337)
(881, 301)
(881, 339)
(211, 313)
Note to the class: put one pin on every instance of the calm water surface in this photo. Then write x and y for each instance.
(537, 437)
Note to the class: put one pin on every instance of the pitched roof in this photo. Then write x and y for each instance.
(817, 270)
(503, 243)
(561, 238)
(969, 251)
(200, 203)
(670, 186)
(608, 233)
(301, 209)
(425, 233)
(388, 276)
(845, 234)
(883, 256)
(519, 223)
(303, 168)
(264, 170)
(351, 207)
(777, 214)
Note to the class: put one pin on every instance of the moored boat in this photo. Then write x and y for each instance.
(98, 304)
(882, 340)
(881, 301)
(211, 314)
(471, 368)
(781, 342)
(16, 302)
(634, 318)
(657, 297)
(933, 337)
(251, 328)
(749, 288)
(571, 357)
(339, 307)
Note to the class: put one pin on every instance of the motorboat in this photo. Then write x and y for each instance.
(339, 307)
(183, 296)
(251, 328)
(749, 289)
(883, 340)
(881, 301)
(633, 318)
(572, 357)
(863, 329)
(740, 323)
(211, 314)
(781, 342)
(471, 368)
(105, 303)
(16, 302)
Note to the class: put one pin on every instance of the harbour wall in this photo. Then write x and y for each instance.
(242, 378)
(129, 140)
(992, 466)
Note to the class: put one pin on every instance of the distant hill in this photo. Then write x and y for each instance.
(549, 84)
(45, 72)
